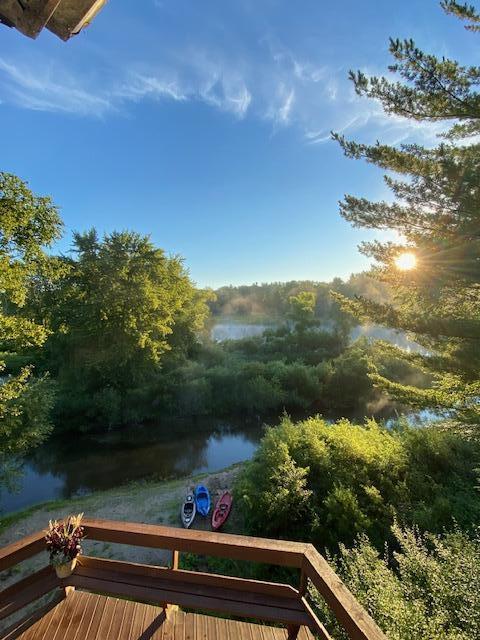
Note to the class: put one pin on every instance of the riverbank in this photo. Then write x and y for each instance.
(170, 449)
(146, 502)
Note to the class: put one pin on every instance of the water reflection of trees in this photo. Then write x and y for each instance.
(169, 450)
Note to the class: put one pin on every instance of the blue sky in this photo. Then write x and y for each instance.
(206, 124)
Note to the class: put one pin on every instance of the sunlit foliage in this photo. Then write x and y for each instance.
(327, 483)
(428, 589)
(29, 224)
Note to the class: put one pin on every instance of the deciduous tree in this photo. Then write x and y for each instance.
(29, 224)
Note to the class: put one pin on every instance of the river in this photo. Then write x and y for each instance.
(75, 465)
(171, 449)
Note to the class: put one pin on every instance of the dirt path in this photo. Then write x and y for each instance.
(157, 503)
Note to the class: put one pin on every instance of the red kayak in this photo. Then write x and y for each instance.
(222, 510)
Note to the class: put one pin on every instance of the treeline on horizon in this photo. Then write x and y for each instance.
(270, 301)
(127, 341)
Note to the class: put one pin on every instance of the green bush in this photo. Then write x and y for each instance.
(427, 590)
(346, 479)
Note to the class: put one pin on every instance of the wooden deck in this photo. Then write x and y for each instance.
(84, 616)
(137, 601)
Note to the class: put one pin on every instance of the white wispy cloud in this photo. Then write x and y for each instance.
(138, 86)
(40, 89)
(352, 114)
(269, 81)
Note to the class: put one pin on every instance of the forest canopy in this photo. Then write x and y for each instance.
(119, 335)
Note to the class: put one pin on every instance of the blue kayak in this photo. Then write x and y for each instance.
(202, 498)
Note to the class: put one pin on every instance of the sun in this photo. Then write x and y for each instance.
(406, 261)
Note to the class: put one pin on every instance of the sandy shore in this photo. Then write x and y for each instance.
(153, 503)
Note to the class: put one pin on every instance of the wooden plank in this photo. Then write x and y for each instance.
(26, 623)
(168, 627)
(36, 15)
(24, 548)
(81, 630)
(54, 618)
(69, 607)
(27, 595)
(154, 620)
(79, 600)
(11, 12)
(17, 587)
(193, 601)
(107, 618)
(179, 626)
(71, 16)
(199, 624)
(92, 632)
(36, 631)
(194, 577)
(128, 619)
(244, 595)
(279, 552)
(189, 627)
(117, 622)
(101, 618)
(348, 611)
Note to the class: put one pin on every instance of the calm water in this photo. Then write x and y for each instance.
(171, 449)
(168, 450)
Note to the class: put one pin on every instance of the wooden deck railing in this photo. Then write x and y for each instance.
(172, 586)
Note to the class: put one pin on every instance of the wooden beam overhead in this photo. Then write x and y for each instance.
(36, 15)
(64, 18)
(11, 12)
(71, 17)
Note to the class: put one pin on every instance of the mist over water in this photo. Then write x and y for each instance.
(231, 331)
(222, 331)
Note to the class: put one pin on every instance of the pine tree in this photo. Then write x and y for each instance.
(433, 271)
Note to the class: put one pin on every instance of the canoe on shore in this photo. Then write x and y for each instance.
(202, 499)
(222, 510)
(188, 510)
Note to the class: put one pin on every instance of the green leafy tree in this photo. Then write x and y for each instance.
(28, 225)
(113, 319)
(302, 310)
(437, 214)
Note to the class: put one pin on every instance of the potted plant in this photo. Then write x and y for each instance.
(63, 544)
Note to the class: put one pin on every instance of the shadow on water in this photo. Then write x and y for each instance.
(174, 448)
(70, 465)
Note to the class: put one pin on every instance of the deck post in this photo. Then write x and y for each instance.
(171, 609)
(293, 629)
(175, 559)
(67, 590)
(302, 589)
